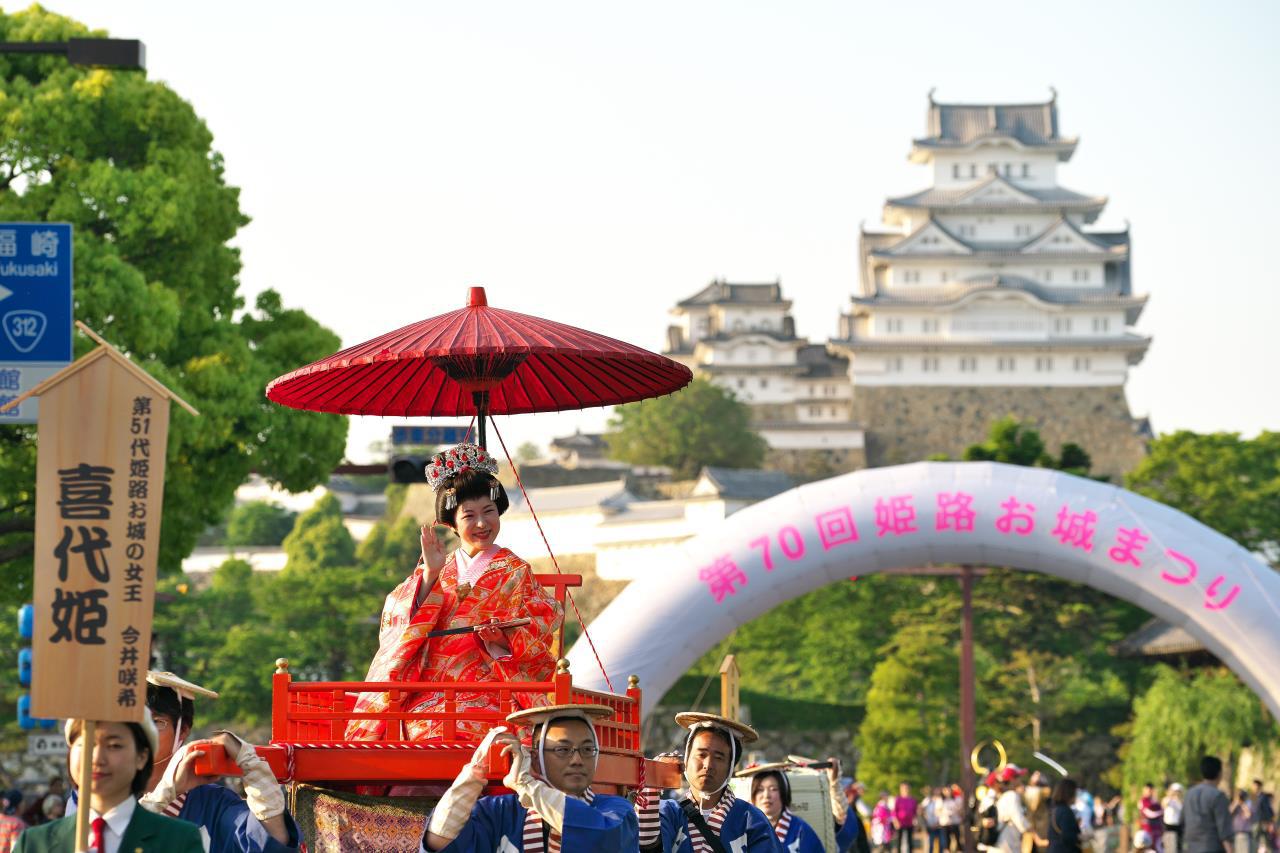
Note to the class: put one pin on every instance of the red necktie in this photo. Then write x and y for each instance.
(97, 840)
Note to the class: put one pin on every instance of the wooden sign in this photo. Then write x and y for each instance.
(730, 704)
(103, 432)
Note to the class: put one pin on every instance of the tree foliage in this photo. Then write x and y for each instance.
(1230, 483)
(132, 167)
(259, 523)
(910, 733)
(1185, 715)
(702, 424)
(1013, 442)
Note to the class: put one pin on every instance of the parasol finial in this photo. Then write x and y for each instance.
(477, 299)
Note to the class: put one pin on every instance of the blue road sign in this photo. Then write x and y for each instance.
(35, 309)
(427, 435)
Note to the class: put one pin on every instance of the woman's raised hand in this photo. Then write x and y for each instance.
(432, 554)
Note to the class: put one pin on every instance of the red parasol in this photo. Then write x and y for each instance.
(479, 361)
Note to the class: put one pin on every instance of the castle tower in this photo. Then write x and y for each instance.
(743, 338)
(987, 294)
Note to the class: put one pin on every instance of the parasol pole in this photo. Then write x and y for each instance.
(481, 401)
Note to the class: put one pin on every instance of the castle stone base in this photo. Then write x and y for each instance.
(806, 466)
(909, 424)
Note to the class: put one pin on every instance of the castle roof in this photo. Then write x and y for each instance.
(955, 293)
(962, 126)
(981, 195)
(721, 292)
(744, 483)
(818, 363)
(1112, 243)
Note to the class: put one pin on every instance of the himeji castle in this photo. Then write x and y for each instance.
(988, 294)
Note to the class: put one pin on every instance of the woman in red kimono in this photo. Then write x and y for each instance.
(478, 583)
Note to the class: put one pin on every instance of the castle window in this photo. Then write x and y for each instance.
(973, 170)
(1046, 276)
(1022, 230)
(1044, 364)
(764, 383)
(1080, 275)
(893, 325)
(929, 327)
(1062, 325)
(1026, 170)
(1102, 324)
(955, 170)
(1006, 364)
(742, 383)
(1081, 364)
(911, 276)
(968, 364)
(893, 365)
(929, 364)
(1008, 169)
(814, 411)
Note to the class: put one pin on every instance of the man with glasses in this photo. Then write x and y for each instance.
(553, 807)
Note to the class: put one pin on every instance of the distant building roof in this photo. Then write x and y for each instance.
(610, 495)
(818, 363)
(955, 291)
(719, 292)
(1054, 197)
(1157, 639)
(749, 484)
(959, 125)
(581, 441)
(1114, 243)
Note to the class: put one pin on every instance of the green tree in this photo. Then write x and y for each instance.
(132, 167)
(1011, 441)
(1230, 483)
(910, 733)
(702, 424)
(1184, 715)
(259, 523)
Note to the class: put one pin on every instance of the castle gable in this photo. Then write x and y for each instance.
(1063, 237)
(931, 239)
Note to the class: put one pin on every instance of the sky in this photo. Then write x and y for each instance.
(596, 162)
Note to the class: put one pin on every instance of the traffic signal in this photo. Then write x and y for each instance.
(408, 469)
(26, 628)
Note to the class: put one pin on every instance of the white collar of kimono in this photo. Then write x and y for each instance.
(470, 568)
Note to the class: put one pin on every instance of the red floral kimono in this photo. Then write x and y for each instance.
(506, 590)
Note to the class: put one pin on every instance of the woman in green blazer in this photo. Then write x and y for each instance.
(122, 760)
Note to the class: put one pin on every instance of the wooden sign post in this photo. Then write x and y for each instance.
(103, 432)
(730, 704)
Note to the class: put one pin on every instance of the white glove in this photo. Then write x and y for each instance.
(261, 789)
(166, 790)
(839, 806)
(454, 809)
(534, 794)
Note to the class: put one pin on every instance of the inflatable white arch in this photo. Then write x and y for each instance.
(978, 513)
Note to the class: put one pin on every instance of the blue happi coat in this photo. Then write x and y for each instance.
(801, 838)
(849, 831)
(605, 825)
(231, 826)
(745, 829)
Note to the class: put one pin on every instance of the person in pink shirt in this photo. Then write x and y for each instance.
(904, 818)
(882, 824)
